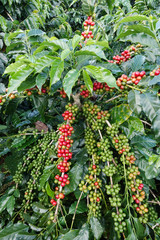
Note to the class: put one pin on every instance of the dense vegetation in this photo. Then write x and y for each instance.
(80, 119)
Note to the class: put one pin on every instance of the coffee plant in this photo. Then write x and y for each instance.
(80, 120)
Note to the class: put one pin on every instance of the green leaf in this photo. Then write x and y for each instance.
(43, 62)
(41, 79)
(102, 75)
(10, 205)
(39, 208)
(87, 80)
(134, 100)
(83, 233)
(132, 29)
(59, 43)
(35, 32)
(44, 178)
(102, 43)
(96, 227)
(91, 50)
(56, 71)
(3, 127)
(11, 232)
(16, 79)
(151, 172)
(156, 125)
(30, 82)
(75, 41)
(136, 124)
(69, 81)
(49, 190)
(75, 176)
(143, 141)
(82, 207)
(120, 113)
(142, 38)
(25, 236)
(140, 230)
(4, 201)
(13, 67)
(65, 54)
(150, 104)
(3, 23)
(137, 62)
(68, 236)
(154, 80)
(88, 7)
(132, 19)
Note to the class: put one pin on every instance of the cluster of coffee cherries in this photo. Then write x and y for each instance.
(63, 93)
(125, 55)
(91, 183)
(100, 88)
(34, 90)
(94, 116)
(121, 144)
(2, 100)
(64, 153)
(84, 92)
(70, 113)
(137, 76)
(155, 72)
(33, 164)
(88, 27)
(122, 81)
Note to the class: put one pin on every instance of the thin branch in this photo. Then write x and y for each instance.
(146, 122)
(113, 98)
(76, 210)
(10, 16)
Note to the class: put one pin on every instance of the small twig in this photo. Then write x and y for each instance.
(154, 196)
(10, 16)
(146, 122)
(114, 162)
(154, 202)
(108, 123)
(156, 225)
(76, 210)
(113, 98)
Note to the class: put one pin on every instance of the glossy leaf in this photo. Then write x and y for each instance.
(143, 141)
(44, 178)
(10, 205)
(156, 125)
(136, 29)
(75, 41)
(43, 62)
(137, 62)
(49, 190)
(16, 79)
(134, 100)
(39, 208)
(88, 7)
(12, 231)
(154, 80)
(87, 80)
(150, 104)
(132, 19)
(68, 236)
(35, 32)
(136, 124)
(69, 81)
(92, 50)
(56, 71)
(120, 113)
(98, 43)
(83, 233)
(75, 176)
(82, 207)
(41, 79)
(96, 228)
(65, 53)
